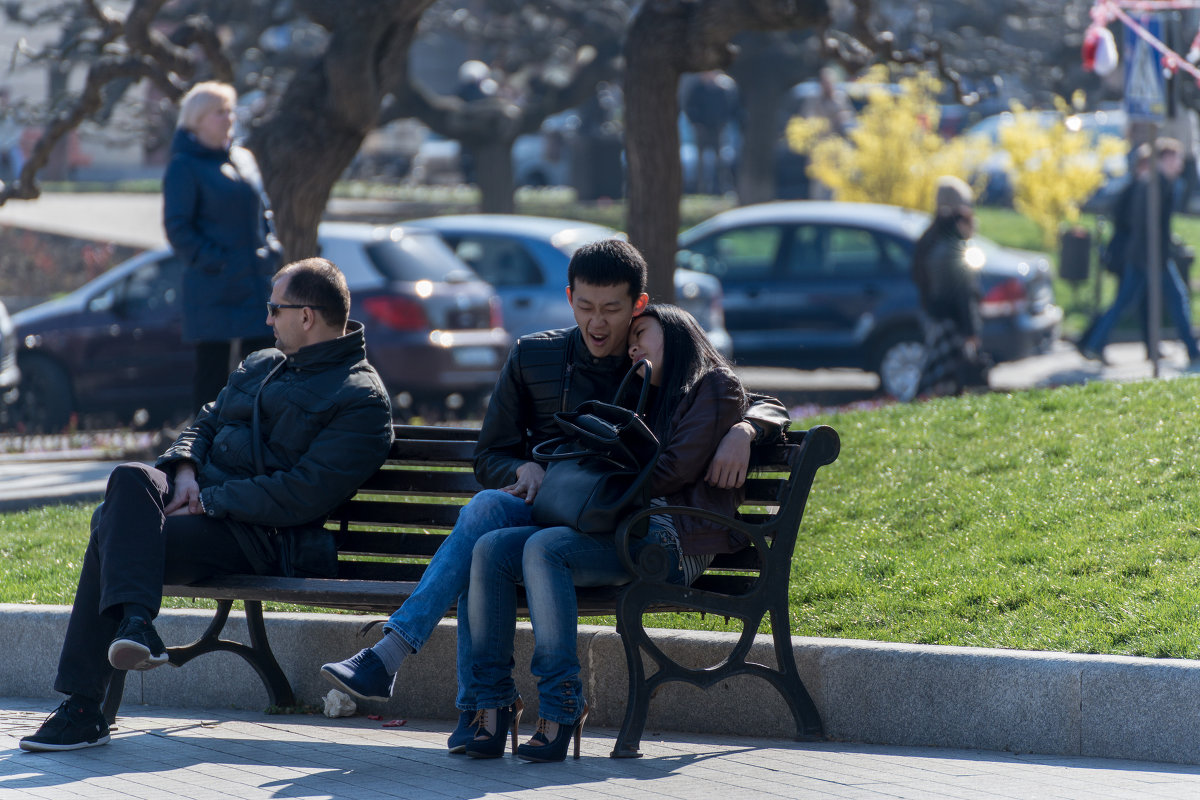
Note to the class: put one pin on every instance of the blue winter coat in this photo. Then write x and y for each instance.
(218, 222)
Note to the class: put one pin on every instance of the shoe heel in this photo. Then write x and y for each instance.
(579, 729)
(518, 710)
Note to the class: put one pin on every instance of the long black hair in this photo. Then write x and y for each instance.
(688, 356)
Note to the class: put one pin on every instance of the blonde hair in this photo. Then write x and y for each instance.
(202, 98)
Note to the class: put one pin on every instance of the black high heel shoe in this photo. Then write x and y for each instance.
(545, 749)
(490, 744)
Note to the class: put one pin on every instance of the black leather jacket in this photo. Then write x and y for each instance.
(554, 371)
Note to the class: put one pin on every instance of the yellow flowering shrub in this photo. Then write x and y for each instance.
(894, 153)
(1055, 166)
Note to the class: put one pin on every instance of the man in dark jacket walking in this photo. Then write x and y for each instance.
(245, 489)
(545, 373)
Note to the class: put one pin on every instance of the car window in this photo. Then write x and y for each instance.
(151, 288)
(500, 262)
(416, 258)
(806, 253)
(745, 254)
(852, 251)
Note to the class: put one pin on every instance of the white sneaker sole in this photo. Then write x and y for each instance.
(129, 655)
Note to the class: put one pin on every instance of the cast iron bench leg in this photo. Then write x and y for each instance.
(258, 655)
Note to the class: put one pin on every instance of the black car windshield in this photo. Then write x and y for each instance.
(409, 257)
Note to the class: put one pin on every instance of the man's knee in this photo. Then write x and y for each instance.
(135, 476)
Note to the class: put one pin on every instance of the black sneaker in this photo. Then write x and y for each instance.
(137, 646)
(70, 727)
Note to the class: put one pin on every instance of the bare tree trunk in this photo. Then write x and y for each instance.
(667, 38)
(768, 65)
(329, 108)
(652, 153)
(494, 175)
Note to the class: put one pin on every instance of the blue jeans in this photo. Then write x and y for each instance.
(448, 576)
(551, 562)
(1133, 289)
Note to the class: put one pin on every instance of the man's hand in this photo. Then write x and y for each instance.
(727, 469)
(529, 480)
(186, 499)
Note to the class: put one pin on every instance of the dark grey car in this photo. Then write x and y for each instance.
(822, 284)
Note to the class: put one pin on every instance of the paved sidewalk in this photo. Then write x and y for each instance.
(202, 754)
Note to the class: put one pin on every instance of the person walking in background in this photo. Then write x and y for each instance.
(1134, 253)
(950, 295)
(711, 105)
(218, 221)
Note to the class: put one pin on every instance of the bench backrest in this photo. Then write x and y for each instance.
(391, 528)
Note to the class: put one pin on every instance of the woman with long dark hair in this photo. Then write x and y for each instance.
(695, 398)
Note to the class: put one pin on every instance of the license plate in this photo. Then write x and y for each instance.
(475, 357)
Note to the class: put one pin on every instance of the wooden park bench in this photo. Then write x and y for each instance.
(388, 532)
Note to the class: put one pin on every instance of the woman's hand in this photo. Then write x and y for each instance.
(729, 464)
(529, 480)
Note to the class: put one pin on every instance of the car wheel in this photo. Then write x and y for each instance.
(901, 360)
(44, 404)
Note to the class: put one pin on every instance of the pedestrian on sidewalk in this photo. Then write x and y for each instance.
(1176, 296)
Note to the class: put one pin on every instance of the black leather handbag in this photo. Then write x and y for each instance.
(598, 471)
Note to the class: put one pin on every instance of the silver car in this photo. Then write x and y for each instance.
(525, 259)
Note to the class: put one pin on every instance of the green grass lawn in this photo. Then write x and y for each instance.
(1064, 519)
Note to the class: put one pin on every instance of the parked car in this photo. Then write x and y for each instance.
(826, 284)
(525, 259)
(10, 375)
(113, 347)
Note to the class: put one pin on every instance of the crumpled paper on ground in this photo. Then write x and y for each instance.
(339, 704)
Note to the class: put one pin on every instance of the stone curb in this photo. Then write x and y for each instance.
(869, 692)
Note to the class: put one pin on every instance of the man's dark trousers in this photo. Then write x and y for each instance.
(133, 550)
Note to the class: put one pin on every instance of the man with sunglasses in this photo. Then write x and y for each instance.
(246, 489)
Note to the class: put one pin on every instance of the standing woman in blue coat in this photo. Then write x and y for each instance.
(218, 220)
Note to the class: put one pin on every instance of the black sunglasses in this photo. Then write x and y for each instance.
(273, 308)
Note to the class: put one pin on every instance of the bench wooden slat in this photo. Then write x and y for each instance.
(397, 515)
(431, 483)
(388, 543)
(423, 451)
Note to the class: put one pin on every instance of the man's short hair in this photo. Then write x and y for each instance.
(316, 282)
(609, 262)
(202, 98)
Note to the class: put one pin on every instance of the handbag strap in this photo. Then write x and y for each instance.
(545, 451)
(641, 403)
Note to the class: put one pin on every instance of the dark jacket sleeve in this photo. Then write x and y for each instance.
(181, 193)
(768, 416)
(347, 451)
(194, 441)
(703, 419)
(503, 445)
